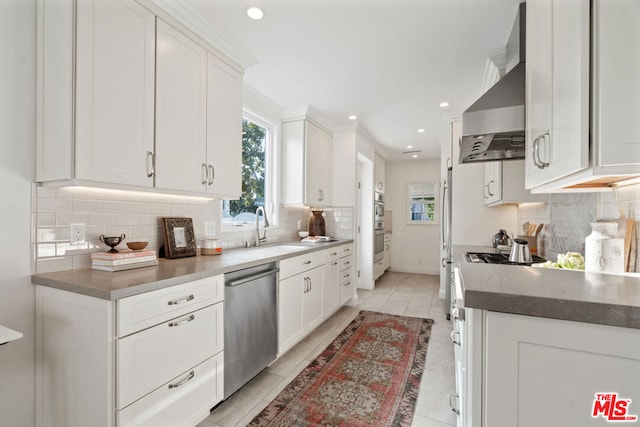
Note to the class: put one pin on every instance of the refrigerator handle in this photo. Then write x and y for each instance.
(444, 218)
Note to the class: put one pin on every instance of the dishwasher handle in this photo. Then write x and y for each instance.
(252, 278)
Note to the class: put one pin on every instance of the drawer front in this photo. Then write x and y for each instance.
(346, 290)
(142, 311)
(152, 357)
(345, 276)
(292, 266)
(346, 250)
(182, 402)
(331, 254)
(346, 263)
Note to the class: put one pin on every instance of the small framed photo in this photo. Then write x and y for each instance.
(179, 238)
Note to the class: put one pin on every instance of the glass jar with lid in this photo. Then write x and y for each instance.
(604, 248)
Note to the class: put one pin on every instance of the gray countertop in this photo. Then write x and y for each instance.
(171, 272)
(554, 293)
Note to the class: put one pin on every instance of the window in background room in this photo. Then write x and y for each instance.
(256, 176)
(422, 200)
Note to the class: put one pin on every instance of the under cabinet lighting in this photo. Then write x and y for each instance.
(444, 104)
(421, 130)
(415, 156)
(409, 147)
(352, 117)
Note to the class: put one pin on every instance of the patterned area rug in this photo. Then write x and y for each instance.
(368, 376)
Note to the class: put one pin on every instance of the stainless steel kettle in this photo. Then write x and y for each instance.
(501, 238)
(520, 252)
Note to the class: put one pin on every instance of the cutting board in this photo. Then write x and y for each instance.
(634, 254)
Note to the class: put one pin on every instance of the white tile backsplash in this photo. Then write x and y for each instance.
(137, 215)
(569, 215)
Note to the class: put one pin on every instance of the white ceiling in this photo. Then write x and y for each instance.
(390, 62)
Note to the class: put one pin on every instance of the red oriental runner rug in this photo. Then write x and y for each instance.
(368, 376)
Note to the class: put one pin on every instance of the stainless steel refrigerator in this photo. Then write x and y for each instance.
(447, 258)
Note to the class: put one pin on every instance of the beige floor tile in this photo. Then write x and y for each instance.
(396, 293)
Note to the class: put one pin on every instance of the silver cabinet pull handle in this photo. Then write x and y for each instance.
(334, 263)
(535, 152)
(151, 164)
(182, 322)
(455, 334)
(181, 301)
(489, 188)
(454, 407)
(204, 173)
(347, 284)
(212, 174)
(306, 263)
(183, 381)
(334, 254)
(545, 136)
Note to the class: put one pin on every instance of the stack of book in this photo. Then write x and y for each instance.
(123, 260)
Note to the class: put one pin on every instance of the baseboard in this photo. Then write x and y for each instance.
(414, 270)
(366, 285)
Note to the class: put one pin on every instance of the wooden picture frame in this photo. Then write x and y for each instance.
(179, 238)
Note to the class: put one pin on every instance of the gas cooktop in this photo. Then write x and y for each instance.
(498, 258)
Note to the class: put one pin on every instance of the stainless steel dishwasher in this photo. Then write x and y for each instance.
(250, 324)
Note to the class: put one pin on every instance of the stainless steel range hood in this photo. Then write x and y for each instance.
(493, 126)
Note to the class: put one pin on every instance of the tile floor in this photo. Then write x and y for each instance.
(396, 293)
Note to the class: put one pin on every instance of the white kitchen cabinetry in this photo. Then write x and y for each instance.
(504, 183)
(557, 68)
(181, 112)
(224, 129)
(386, 261)
(126, 100)
(307, 152)
(567, 100)
(311, 287)
(531, 363)
(95, 92)
(142, 360)
(379, 173)
(346, 279)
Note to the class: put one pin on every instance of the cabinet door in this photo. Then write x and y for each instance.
(330, 287)
(114, 92)
(492, 182)
(533, 363)
(557, 89)
(290, 329)
(617, 87)
(312, 299)
(224, 129)
(318, 170)
(181, 89)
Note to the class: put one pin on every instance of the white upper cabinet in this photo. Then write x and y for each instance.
(582, 68)
(379, 173)
(307, 152)
(504, 184)
(181, 112)
(224, 129)
(616, 109)
(114, 48)
(126, 100)
(557, 89)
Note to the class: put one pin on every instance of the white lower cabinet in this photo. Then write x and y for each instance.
(183, 402)
(539, 371)
(310, 289)
(152, 359)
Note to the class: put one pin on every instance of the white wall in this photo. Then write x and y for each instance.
(17, 154)
(414, 248)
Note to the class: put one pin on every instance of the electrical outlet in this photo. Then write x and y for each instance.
(299, 224)
(78, 234)
(209, 228)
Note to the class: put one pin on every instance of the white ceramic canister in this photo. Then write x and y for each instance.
(604, 249)
(211, 247)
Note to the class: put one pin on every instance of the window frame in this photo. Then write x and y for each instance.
(270, 184)
(436, 202)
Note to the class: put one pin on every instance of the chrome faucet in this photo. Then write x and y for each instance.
(265, 224)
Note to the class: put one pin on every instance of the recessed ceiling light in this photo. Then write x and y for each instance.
(444, 104)
(420, 130)
(415, 156)
(352, 117)
(254, 12)
(409, 147)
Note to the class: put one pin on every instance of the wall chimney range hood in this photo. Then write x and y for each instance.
(493, 126)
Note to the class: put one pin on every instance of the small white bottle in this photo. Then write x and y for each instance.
(604, 249)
